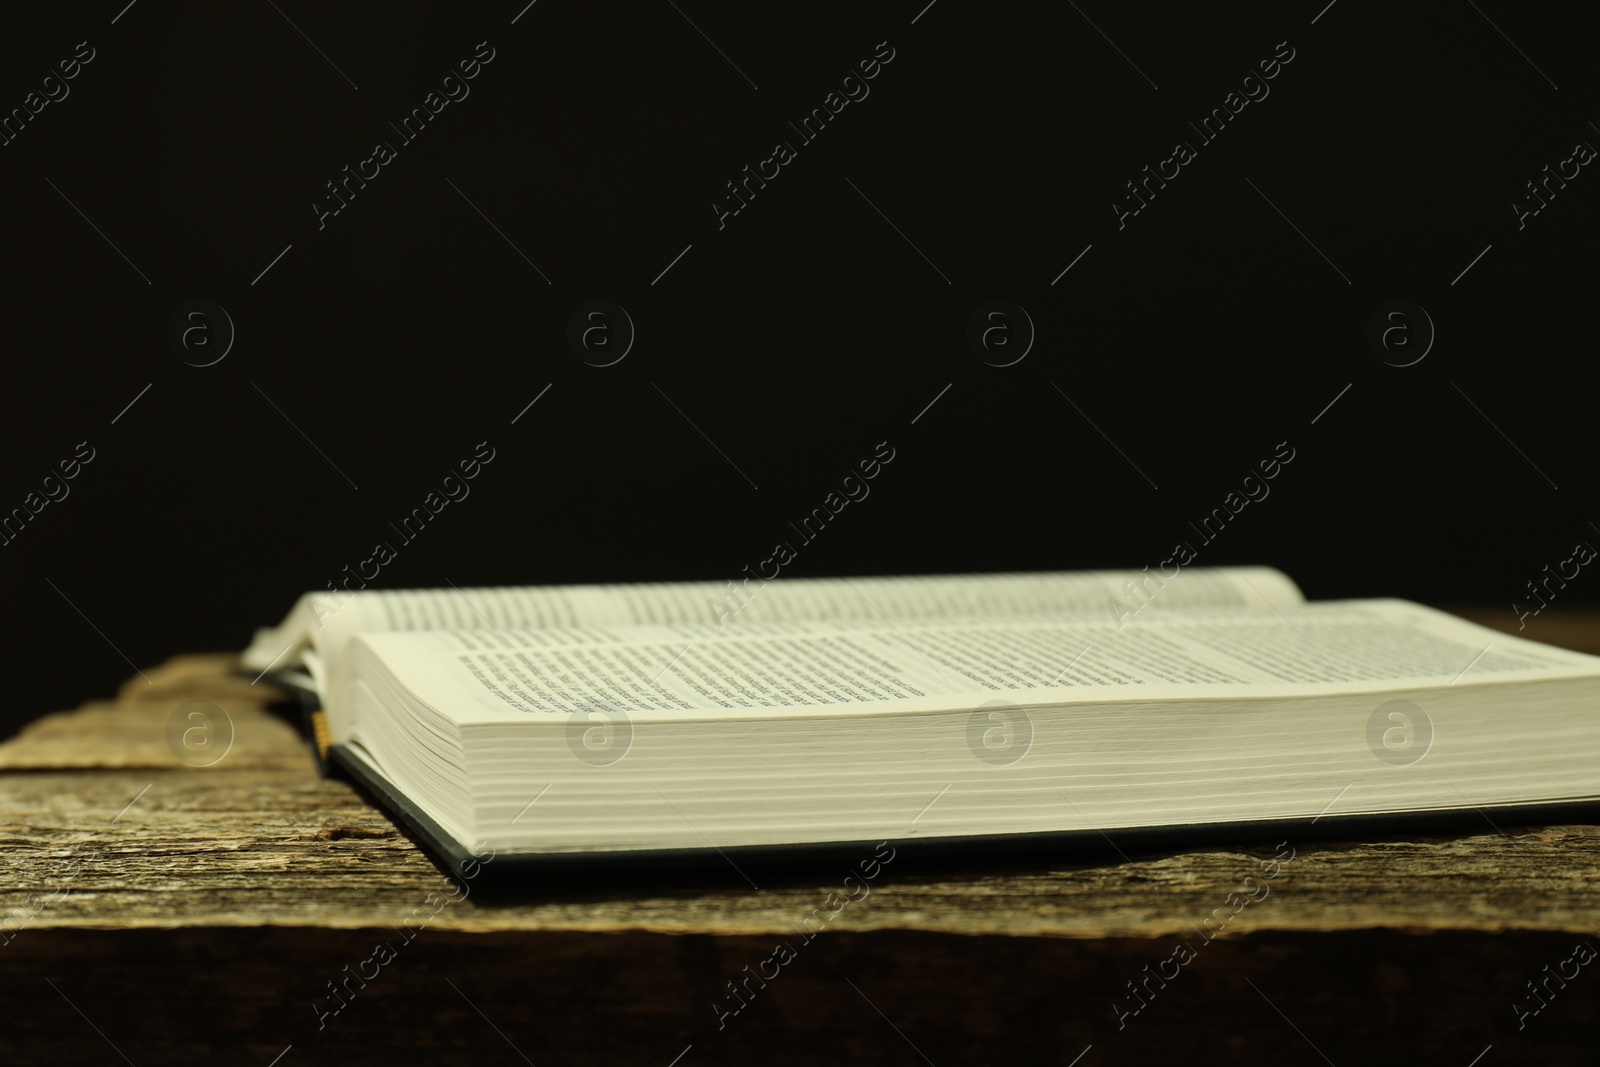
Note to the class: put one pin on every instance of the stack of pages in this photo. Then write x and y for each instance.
(652, 719)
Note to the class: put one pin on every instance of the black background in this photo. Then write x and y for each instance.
(805, 331)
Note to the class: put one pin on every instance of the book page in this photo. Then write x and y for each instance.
(795, 669)
(329, 620)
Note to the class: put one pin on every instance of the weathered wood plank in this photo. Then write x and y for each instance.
(223, 848)
(197, 915)
(893, 997)
(266, 841)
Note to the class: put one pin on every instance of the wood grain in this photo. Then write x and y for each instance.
(198, 914)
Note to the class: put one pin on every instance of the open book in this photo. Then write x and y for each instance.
(654, 719)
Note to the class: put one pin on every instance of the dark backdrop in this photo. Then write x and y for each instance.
(776, 350)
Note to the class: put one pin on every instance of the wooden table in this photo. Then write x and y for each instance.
(160, 913)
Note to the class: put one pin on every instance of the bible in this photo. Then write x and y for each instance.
(668, 722)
